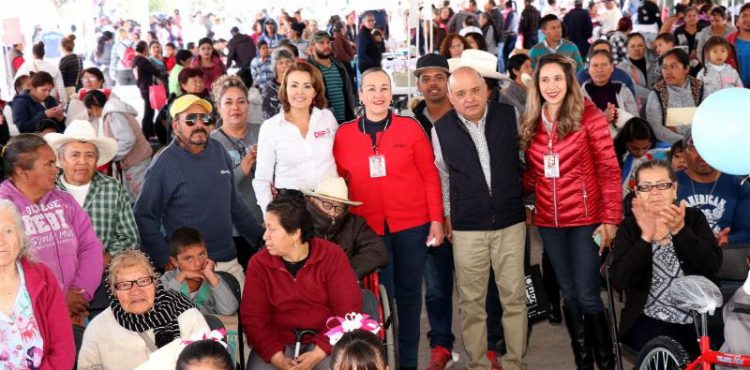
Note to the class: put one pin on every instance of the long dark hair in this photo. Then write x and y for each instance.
(490, 25)
(634, 129)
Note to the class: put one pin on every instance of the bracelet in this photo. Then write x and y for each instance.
(667, 236)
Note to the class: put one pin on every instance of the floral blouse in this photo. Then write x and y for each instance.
(20, 340)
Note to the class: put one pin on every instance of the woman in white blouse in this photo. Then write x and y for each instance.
(295, 147)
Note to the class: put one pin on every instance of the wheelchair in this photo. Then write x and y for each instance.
(385, 315)
(665, 353)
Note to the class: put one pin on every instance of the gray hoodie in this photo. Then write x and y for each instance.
(118, 123)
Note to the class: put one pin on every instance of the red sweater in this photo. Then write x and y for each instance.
(274, 302)
(589, 189)
(51, 313)
(409, 195)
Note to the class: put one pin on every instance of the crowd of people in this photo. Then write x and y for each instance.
(292, 178)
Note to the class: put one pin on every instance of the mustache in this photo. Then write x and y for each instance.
(199, 130)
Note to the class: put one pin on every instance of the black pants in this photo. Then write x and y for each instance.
(646, 328)
(246, 76)
(147, 123)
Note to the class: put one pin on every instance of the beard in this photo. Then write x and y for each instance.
(322, 55)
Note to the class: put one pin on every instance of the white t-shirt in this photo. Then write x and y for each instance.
(79, 192)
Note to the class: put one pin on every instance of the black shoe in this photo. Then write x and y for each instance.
(555, 316)
(578, 341)
(600, 340)
(408, 368)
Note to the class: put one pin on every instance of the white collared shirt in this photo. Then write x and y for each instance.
(291, 161)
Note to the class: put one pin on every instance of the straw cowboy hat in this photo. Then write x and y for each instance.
(333, 188)
(483, 62)
(80, 130)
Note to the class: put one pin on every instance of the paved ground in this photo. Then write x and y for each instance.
(549, 346)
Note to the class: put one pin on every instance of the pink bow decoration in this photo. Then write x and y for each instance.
(350, 322)
(215, 335)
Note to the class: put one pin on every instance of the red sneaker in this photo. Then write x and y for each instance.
(494, 361)
(440, 358)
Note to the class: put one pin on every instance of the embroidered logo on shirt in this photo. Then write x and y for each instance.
(224, 172)
(322, 133)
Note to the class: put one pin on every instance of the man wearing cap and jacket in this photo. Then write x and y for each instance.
(476, 152)
(191, 183)
(338, 83)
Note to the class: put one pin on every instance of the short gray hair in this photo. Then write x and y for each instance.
(10, 209)
(128, 258)
(279, 54)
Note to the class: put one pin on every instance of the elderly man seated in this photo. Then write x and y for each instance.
(723, 198)
(79, 152)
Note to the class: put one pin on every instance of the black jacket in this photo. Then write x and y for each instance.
(368, 52)
(349, 99)
(530, 21)
(241, 51)
(579, 28)
(365, 249)
(148, 74)
(632, 265)
(474, 206)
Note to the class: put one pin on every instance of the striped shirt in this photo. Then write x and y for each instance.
(564, 48)
(334, 90)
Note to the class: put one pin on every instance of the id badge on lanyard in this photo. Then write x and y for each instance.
(377, 166)
(551, 159)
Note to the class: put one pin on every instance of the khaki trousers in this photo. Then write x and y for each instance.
(473, 253)
(233, 267)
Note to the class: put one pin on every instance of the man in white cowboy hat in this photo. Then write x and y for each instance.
(191, 183)
(476, 152)
(329, 206)
(79, 152)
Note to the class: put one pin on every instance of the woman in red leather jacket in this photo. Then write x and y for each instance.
(572, 167)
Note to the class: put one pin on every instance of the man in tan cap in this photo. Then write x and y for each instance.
(191, 183)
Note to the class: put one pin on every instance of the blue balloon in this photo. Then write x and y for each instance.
(721, 130)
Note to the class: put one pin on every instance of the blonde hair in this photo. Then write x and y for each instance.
(125, 259)
(571, 109)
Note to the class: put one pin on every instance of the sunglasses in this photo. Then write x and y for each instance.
(193, 118)
(661, 186)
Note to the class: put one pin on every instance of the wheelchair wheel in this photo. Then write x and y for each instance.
(662, 353)
(390, 327)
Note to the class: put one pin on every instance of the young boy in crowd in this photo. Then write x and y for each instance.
(663, 43)
(194, 274)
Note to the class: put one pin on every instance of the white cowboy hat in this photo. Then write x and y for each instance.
(333, 188)
(483, 62)
(472, 29)
(81, 130)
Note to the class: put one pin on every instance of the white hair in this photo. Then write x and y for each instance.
(9, 208)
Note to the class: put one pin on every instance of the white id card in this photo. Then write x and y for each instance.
(377, 166)
(552, 166)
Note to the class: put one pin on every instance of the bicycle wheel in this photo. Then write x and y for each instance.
(662, 353)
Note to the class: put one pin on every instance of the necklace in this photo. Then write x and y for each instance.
(692, 185)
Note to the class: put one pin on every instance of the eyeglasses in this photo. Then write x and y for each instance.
(328, 206)
(193, 118)
(645, 188)
(142, 282)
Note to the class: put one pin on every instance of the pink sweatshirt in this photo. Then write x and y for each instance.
(61, 236)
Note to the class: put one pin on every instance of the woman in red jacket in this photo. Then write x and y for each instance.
(571, 165)
(296, 282)
(209, 62)
(390, 166)
(34, 322)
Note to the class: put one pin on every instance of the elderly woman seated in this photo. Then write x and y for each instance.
(34, 323)
(296, 282)
(660, 242)
(142, 317)
(329, 206)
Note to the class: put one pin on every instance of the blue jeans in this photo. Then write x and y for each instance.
(500, 61)
(403, 280)
(438, 277)
(575, 258)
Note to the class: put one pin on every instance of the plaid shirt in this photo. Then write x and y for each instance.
(108, 206)
(262, 71)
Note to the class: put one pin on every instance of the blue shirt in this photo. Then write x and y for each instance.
(725, 203)
(743, 56)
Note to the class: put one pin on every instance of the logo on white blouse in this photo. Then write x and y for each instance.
(224, 172)
(323, 133)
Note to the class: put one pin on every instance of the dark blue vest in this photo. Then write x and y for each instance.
(473, 205)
